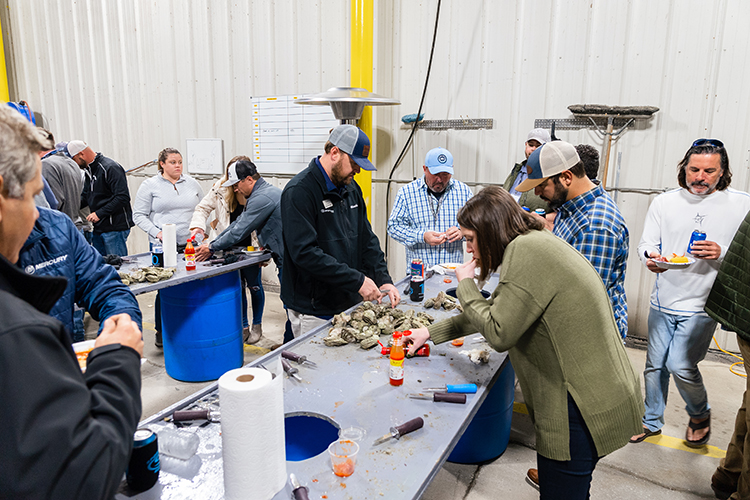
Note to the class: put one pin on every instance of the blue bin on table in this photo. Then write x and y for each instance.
(202, 328)
(488, 433)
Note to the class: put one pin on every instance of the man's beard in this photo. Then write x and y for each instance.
(559, 197)
(710, 188)
(337, 177)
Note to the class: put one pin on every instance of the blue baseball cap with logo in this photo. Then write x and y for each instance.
(439, 160)
(352, 141)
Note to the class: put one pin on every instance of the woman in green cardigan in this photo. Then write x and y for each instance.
(551, 312)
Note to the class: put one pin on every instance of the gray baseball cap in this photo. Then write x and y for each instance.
(352, 141)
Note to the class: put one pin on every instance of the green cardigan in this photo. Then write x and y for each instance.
(551, 312)
(729, 300)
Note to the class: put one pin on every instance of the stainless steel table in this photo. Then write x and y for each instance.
(202, 270)
(351, 387)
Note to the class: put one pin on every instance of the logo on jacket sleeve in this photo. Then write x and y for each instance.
(31, 269)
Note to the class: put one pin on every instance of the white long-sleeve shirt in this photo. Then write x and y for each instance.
(670, 221)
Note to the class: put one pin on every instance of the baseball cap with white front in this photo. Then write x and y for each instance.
(439, 160)
(352, 141)
(232, 177)
(548, 160)
(75, 147)
(540, 135)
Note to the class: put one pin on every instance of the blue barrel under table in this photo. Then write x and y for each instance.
(488, 433)
(202, 328)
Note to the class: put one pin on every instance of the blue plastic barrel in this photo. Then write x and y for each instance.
(488, 433)
(202, 328)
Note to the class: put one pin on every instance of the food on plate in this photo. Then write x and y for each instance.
(82, 357)
(678, 259)
(458, 342)
(452, 267)
(250, 248)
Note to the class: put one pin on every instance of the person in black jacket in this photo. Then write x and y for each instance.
(65, 434)
(332, 258)
(105, 192)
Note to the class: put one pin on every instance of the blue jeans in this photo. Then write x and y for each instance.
(251, 277)
(676, 344)
(571, 479)
(112, 242)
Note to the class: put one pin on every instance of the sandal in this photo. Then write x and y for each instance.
(696, 426)
(646, 433)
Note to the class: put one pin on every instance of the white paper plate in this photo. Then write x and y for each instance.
(254, 252)
(674, 265)
(450, 267)
(87, 345)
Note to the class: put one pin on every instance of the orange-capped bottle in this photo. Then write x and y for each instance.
(396, 370)
(189, 256)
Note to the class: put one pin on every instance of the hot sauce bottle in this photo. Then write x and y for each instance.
(396, 370)
(189, 256)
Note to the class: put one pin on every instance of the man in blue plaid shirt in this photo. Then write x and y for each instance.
(424, 215)
(587, 218)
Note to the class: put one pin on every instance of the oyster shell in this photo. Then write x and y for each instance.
(370, 317)
(369, 342)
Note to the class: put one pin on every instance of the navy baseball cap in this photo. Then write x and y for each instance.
(439, 160)
(551, 159)
(352, 141)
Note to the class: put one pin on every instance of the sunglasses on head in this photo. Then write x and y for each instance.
(711, 142)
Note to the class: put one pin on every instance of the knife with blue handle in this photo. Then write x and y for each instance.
(460, 388)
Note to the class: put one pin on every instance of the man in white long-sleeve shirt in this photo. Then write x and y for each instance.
(679, 331)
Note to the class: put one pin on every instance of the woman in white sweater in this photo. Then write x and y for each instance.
(169, 197)
(227, 205)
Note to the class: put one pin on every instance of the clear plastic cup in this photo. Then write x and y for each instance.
(343, 457)
(355, 434)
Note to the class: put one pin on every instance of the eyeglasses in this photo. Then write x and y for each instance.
(711, 142)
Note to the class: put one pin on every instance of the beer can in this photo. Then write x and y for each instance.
(416, 289)
(157, 256)
(697, 235)
(417, 268)
(143, 468)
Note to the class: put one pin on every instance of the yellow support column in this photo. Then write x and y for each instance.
(4, 93)
(361, 71)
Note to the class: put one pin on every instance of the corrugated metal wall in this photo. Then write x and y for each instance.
(134, 76)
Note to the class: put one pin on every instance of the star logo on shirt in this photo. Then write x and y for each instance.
(699, 218)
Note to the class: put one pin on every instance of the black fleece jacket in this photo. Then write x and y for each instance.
(329, 246)
(105, 191)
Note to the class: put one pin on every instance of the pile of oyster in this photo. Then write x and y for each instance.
(443, 300)
(150, 274)
(369, 321)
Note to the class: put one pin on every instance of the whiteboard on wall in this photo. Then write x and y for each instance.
(287, 135)
(205, 156)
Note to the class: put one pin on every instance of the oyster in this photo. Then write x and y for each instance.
(429, 303)
(370, 317)
(340, 319)
(369, 342)
(357, 314)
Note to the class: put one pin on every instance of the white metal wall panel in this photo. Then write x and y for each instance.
(134, 76)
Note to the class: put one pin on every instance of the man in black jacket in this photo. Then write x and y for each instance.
(105, 192)
(65, 434)
(332, 258)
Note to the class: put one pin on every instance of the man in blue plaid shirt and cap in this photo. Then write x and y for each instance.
(424, 215)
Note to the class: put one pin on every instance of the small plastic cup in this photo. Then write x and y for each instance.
(355, 434)
(343, 457)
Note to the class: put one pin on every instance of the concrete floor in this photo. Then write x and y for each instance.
(659, 468)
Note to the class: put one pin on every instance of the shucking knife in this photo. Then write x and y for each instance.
(397, 432)
(296, 357)
(461, 388)
(441, 397)
(186, 415)
(299, 491)
(291, 370)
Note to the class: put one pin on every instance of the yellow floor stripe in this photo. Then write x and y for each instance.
(661, 440)
(148, 325)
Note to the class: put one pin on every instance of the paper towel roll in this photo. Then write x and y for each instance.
(252, 433)
(169, 240)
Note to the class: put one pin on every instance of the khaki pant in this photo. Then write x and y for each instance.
(735, 467)
(303, 323)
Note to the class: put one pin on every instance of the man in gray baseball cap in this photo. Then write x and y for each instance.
(332, 258)
(536, 138)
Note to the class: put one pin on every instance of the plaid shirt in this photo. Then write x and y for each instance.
(593, 225)
(417, 211)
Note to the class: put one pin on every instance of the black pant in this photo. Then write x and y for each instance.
(569, 480)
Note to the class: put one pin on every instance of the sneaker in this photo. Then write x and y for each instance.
(157, 340)
(256, 332)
